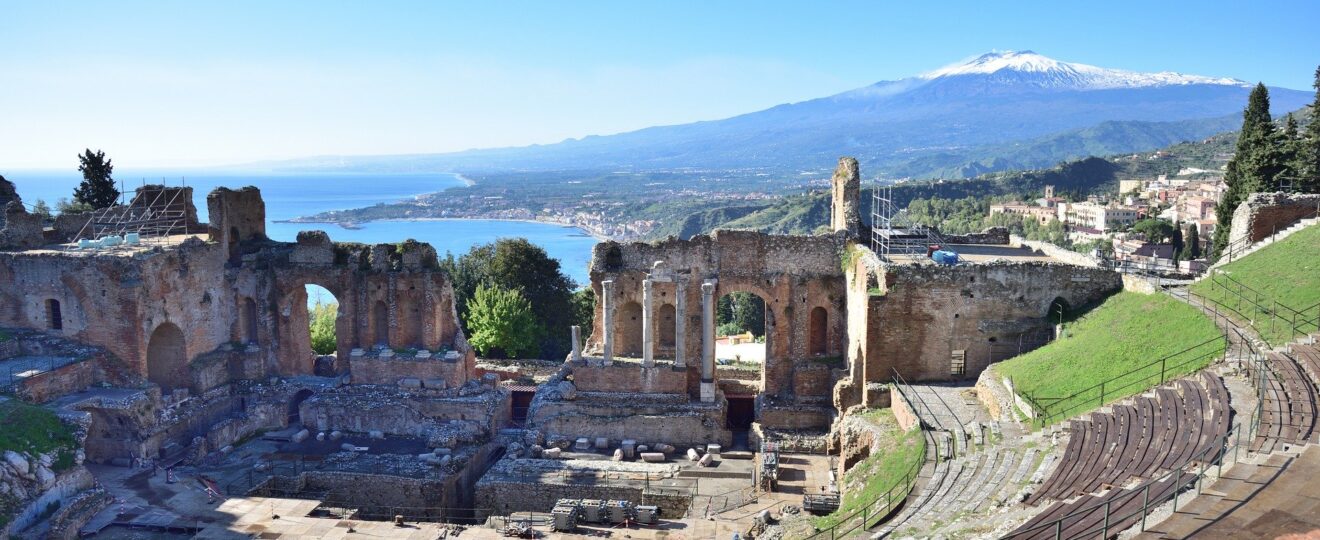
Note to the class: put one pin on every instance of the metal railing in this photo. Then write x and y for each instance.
(1051, 409)
(871, 513)
(1256, 308)
(1115, 510)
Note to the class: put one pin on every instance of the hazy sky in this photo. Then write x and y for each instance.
(193, 83)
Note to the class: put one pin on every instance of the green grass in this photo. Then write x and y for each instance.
(34, 430)
(897, 455)
(5, 336)
(1287, 271)
(1115, 343)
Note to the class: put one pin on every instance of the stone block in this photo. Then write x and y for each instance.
(692, 454)
(708, 392)
(410, 382)
(376, 434)
(652, 457)
(301, 436)
(551, 453)
(618, 454)
(713, 449)
(320, 436)
(423, 354)
(436, 384)
(336, 435)
(582, 444)
(629, 448)
(706, 460)
(602, 443)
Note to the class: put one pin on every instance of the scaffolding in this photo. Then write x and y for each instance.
(153, 216)
(892, 230)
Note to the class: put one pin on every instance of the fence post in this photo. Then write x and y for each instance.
(1177, 483)
(1145, 504)
(1105, 532)
(1163, 361)
(1058, 529)
(1102, 394)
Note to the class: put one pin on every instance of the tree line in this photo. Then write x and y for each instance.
(1269, 157)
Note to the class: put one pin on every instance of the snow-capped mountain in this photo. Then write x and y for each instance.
(1001, 110)
(1028, 67)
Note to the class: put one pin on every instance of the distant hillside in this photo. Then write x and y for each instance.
(1001, 111)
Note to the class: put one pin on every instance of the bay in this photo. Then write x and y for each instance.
(288, 196)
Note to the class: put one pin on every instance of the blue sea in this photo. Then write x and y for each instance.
(290, 196)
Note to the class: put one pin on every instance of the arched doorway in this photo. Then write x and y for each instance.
(247, 320)
(295, 406)
(380, 316)
(628, 330)
(818, 332)
(665, 325)
(1058, 311)
(322, 319)
(54, 315)
(167, 358)
(740, 330)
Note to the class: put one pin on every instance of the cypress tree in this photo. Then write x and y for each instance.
(1290, 148)
(1255, 165)
(1308, 152)
(1193, 243)
(97, 188)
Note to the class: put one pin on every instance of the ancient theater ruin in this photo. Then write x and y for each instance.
(172, 365)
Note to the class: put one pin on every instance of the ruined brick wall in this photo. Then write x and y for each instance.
(627, 377)
(845, 190)
(64, 380)
(18, 228)
(432, 372)
(1262, 214)
(618, 417)
(997, 236)
(793, 274)
(927, 312)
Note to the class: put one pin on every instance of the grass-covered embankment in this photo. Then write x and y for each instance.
(890, 464)
(1287, 272)
(1119, 343)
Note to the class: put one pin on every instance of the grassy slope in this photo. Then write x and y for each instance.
(898, 453)
(1287, 271)
(32, 430)
(1128, 331)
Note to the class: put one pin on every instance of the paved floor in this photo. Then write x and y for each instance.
(1270, 500)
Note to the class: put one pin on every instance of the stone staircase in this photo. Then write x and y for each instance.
(965, 496)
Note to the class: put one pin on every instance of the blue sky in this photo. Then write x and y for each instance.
(169, 84)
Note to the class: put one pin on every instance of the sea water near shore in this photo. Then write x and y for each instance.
(293, 195)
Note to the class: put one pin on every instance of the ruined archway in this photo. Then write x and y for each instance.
(380, 317)
(295, 406)
(247, 320)
(741, 323)
(54, 315)
(818, 332)
(1058, 310)
(629, 328)
(665, 325)
(167, 357)
(322, 319)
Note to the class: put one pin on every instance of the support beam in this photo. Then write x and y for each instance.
(648, 326)
(680, 322)
(607, 309)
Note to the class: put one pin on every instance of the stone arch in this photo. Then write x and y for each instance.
(247, 320)
(54, 315)
(665, 326)
(380, 324)
(628, 341)
(295, 404)
(1058, 307)
(167, 357)
(818, 332)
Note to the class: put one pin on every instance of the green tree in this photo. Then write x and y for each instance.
(98, 187)
(1308, 154)
(1154, 229)
(1255, 165)
(42, 209)
(1176, 238)
(1291, 148)
(584, 309)
(516, 264)
(741, 312)
(322, 321)
(64, 206)
(502, 323)
(1193, 243)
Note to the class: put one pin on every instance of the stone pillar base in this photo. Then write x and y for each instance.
(708, 392)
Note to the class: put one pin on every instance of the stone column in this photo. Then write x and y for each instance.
(708, 342)
(680, 322)
(607, 311)
(648, 326)
(577, 343)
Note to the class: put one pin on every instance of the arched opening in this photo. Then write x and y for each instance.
(613, 258)
(380, 317)
(167, 358)
(247, 320)
(628, 330)
(740, 332)
(54, 316)
(818, 331)
(664, 325)
(1058, 311)
(295, 406)
(322, 315)
(235, 256)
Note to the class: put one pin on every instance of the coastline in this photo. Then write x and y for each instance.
(599, 237)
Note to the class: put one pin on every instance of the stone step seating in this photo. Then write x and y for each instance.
(1140, 438)
(967, 486)
(1085, 516)
(1288, 405)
